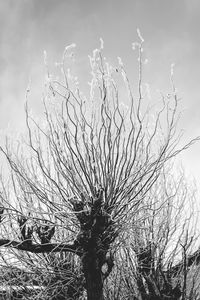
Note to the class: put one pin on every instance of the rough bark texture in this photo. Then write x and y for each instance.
(94, 278)
(94, 239)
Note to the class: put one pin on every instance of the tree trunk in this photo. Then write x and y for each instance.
(94, 279)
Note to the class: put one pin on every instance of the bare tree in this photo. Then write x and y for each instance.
(91, 164)
(156, 257)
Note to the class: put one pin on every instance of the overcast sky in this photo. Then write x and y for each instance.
(170, 29)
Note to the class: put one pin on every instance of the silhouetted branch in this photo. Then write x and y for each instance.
(191, 259)
(44, 248)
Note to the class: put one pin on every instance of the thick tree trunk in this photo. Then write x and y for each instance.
(94, 286)
(94, 279)
(94, 239)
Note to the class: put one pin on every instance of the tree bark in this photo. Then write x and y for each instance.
(94, 278)
(28, 246)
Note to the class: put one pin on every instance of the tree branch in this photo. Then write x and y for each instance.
(193, 258)
(38, 248)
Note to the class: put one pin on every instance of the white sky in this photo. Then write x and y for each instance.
(171, 32)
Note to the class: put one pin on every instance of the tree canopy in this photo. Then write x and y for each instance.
(92, 183)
